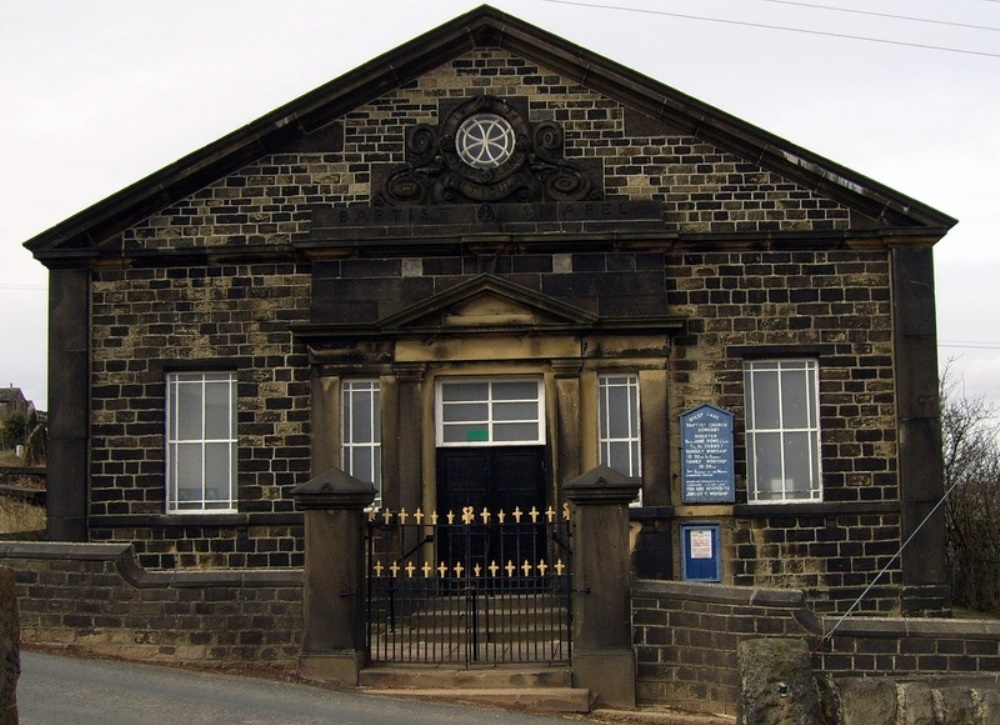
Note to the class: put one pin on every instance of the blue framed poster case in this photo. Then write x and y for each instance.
(700, 556)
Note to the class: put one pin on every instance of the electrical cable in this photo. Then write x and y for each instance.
(882, 15)
(844, 36)
(829, 635)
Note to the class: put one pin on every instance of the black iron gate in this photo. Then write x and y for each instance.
(472, 587)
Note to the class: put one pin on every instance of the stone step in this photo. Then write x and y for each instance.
(428, 677)
(549, 699)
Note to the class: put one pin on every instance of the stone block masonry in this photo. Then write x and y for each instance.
(95, 598)
(687, 635)
(146, 320)
(215, 277)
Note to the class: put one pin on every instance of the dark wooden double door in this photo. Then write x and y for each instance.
(495, 479)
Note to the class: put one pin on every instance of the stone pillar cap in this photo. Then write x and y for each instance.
(334, 489)
(602, 485)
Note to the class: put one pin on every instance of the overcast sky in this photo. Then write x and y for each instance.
(95, 95)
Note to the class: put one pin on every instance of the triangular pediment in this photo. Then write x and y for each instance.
(487, 302)
(312, 124)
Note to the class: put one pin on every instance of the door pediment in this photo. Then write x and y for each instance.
(487, 302)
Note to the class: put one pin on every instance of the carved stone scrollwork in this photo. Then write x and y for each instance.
(485, 151)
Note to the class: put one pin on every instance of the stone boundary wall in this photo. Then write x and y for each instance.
(686, 637)
(96, 598)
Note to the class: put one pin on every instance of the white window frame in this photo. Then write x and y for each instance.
(632, 437)
(367, 393)
(490, 421)
(783, 489)
(196, 449)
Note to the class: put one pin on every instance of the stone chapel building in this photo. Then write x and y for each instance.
(475, 268)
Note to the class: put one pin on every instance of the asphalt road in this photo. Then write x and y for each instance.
(57, 690)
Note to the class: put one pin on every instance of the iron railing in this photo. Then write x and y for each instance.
(473, 587)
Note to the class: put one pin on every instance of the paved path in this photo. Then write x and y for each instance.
(57, 690)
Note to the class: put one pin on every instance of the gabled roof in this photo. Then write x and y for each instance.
(484, 27)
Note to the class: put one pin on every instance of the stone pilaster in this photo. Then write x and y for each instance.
(69, 404)
(921, 470)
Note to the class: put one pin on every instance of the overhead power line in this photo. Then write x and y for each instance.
(765, 26)
(883, 15)
(970, 345)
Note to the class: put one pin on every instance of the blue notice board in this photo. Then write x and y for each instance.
(700, 553)
(707, 455)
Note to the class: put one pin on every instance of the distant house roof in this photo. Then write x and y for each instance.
(12, 401)
(12, 395)
(80, 236)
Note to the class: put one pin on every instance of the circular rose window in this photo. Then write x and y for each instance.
(485, 141)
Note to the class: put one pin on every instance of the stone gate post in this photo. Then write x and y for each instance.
(603, 657)
(333, 638)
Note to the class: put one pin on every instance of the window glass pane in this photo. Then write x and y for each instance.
(451, 392)
(619, 413)
(619, 457)
(510, 432)
(767, 461)
(361, 466)
(218, 411)
(218, 460)
(813, 405)
(466, 434)
(361, 419)
(188, 411)
(187, 472)
(794, 399)
(466, 412)
(516, 390)
(515, 411)
(765, 400)
(798, 464)
(377, 470)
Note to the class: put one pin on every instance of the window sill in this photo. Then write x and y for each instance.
(158, 521)
(814, 508)
(745, 510)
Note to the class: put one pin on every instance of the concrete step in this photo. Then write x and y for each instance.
(550, 699)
